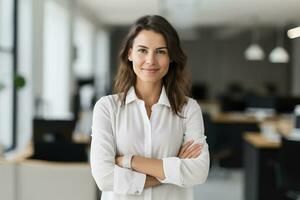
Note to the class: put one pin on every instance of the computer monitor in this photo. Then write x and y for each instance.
(229, 104)
(286, 104)
(261, 102)
(53, 130)
(53, 141)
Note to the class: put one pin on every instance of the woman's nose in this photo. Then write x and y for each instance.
(150, 59)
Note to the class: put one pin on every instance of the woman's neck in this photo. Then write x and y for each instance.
(149, 93)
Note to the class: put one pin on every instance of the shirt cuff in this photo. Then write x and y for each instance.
(128, 182)
(171, 166)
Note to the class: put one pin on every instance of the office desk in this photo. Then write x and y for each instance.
(230, 127)
(260, 156)
(234, 118)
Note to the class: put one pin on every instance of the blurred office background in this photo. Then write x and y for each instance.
(57, 57)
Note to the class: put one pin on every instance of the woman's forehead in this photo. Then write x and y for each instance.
(149, 38)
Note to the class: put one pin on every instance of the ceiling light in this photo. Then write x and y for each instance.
(254, 52)
(294, 33)
(279, 54)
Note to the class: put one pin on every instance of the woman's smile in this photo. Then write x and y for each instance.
(150, 70)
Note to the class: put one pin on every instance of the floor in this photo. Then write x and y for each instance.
(222, 184)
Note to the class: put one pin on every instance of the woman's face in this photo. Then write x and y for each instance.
(149, 56)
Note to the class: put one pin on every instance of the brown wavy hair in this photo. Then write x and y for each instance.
(176, 80)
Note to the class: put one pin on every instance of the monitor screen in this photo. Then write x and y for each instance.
(286, 104)
(53, 141)
(261, 102)
(50, 130)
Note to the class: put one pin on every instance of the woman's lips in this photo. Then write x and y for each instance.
(151, 70)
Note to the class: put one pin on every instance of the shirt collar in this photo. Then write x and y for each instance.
(163, 99)
(131, 95)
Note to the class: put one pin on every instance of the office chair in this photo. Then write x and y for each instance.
(288, 169)
(218, 149)
(230, 137)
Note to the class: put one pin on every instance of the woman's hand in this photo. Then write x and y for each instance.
(119, 160)
(190, 150)
(151, 182)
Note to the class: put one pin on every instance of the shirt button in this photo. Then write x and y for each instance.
(137, 192)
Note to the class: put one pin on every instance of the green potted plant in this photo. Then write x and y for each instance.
(19, 81)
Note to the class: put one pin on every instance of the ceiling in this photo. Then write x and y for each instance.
(203, 12)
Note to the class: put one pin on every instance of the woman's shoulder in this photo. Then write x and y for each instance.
(191, 105)
(191, 102)
(109, 102)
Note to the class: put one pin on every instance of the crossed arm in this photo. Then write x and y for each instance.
(153, 168)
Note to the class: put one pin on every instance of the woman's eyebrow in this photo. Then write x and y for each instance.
(162, 48)
(142, 46)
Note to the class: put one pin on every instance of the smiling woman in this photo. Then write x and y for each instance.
(148, 140)
(141, 34)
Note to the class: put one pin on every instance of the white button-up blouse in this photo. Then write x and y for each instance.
(126, 129)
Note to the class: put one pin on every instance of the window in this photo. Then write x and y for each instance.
(56, 73)
(83, 40)
(25, 95)
(6, 72)
(102, 72)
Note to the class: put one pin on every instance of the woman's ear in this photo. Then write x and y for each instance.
(129, 55)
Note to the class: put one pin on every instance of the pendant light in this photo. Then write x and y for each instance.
(254, 52)
(279, 54)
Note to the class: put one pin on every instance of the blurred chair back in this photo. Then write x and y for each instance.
(210, 133)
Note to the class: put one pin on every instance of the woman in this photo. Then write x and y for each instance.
(148, 139)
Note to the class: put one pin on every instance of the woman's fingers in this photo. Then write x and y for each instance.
(195, 152)
(187, 152)
(192, 152)
(184, 147)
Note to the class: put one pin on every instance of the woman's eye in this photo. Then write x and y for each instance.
(142, 50)
(161, 52)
